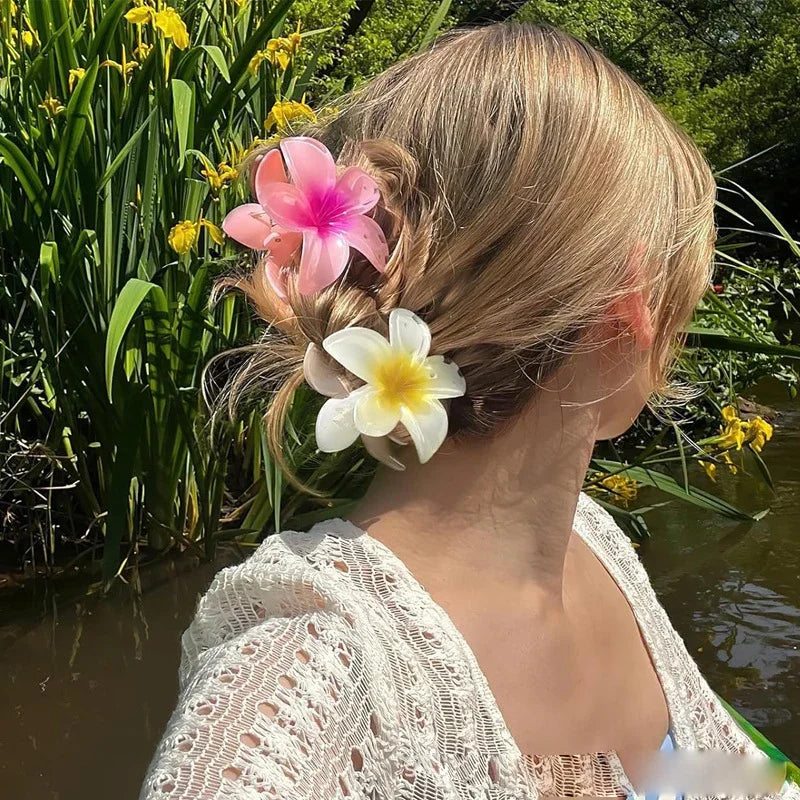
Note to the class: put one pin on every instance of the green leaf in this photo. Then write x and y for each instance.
(785, 235)
(633, 521)
(435, 24)
(78, 116)
(48, 264)
(26, 174)
(128, 302)
(670, 486)
(250, 46)
(106, 29)
(762, 467)
(183, 114)
(125, 151)
(717, 340)
(216, 55)
(130, 435)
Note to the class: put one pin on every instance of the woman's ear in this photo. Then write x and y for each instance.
(635, 315)
(631, 309)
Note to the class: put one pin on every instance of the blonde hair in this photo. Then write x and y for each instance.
(519, 171)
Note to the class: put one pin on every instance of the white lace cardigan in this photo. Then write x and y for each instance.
(320, 668)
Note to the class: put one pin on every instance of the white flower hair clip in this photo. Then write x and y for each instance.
(402, 385)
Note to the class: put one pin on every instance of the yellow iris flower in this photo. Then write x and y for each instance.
(125, 67)
(620, 487)
(220, 177)
(52, 106)
(284, 112)
(140, 15)
(183, 236)
(168, 21)
(141, 51)
(737, 432)
(711, 469)
(759, 432)
(74, 76)
(278, 52)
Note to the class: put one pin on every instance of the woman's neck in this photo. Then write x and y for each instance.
(490, 511)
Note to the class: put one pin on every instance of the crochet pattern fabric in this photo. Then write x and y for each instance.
(320, 669)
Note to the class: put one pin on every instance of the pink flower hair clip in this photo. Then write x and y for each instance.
(317, 213)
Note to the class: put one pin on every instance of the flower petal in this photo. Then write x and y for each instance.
(366, 236)
(287, 206)
(359, 350)
(310, 164)
(276, 278)
(322, 262)
(248, 225)
(269, 170)
(319, 374)
(373, 417)
(335, 427)
(283, 246)
(408, 333)
(447, 380)
(380, 448)
(358, 190)
(427, 428)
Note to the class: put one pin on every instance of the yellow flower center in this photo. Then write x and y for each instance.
(402, 381)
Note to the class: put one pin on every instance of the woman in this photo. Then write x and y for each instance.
(532, 234)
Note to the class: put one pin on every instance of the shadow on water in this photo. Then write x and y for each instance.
(88, 682)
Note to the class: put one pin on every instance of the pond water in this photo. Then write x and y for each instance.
(88, 682)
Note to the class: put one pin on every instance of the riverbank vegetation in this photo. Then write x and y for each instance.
(123, 127)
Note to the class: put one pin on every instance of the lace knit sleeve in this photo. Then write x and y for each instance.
(269, 690)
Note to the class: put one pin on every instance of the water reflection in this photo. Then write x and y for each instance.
(733, 589)
(89, 682)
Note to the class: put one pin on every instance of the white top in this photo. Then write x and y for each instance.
(320, 668)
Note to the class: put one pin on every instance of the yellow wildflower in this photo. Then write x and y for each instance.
(237, 154)
(732, 435)
(52, 105)
(30, 38)
(213, 231)
(730, 414)
(169, 22)
(726, 457)
(295, 40)
(125, 68)
(140, 15)
(279, 52)
(183, 236)
(141, 51)
(74, 76)
(759, 432)
(284, 112)
(256, 61)
(620, 487)
(222, 176)
(711, 469)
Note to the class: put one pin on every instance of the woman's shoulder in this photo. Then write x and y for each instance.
(292, 573)
(284, 680)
